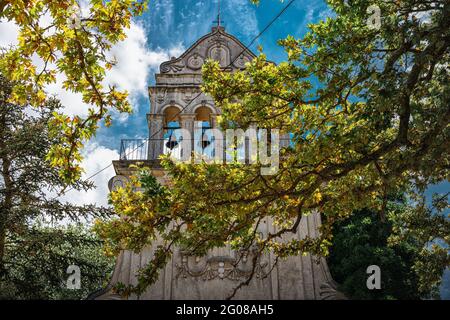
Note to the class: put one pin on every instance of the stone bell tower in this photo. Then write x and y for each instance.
(177, 102)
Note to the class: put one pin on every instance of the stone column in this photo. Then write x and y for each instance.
(156, 134)
(213, 121)
(188, 122)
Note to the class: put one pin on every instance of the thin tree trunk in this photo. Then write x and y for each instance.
(6, 204)
(2, 243)
(5, 208)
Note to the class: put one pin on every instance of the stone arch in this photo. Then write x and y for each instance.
(206, 105)
(203, 114)
(168, 105)
(171, 113)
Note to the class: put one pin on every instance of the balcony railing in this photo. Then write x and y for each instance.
(151, 149)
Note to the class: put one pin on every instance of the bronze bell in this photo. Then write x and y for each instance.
(172, 143)
(205, 142)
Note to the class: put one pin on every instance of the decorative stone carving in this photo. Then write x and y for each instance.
(117, 182)
(218, 45)
(241, 61)
(161, 96)
(221, 54)
(218, 38)
(220, 267)
(195, 61)
(187, 97)
(171, 66)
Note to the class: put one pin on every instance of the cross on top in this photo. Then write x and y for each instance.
(218, 21)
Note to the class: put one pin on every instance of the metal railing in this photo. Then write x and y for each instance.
(134, 149)
(151, 149)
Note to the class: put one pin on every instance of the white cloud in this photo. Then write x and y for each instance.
(135, 62)
(164, 9)
(96, 158)
(177, 50)
(8, 33)
(72, 101)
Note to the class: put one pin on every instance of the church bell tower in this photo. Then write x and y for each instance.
(176, 101)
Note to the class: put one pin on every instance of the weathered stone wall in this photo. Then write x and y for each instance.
(214, 276)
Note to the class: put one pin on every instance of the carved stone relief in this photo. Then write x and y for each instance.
(195, 61)
(220, 54)
(241, 61)
(170, 66)
(218, 38)
(220, 267)
(161, 96)
(218, 45)
(187, 95)
(117, 182)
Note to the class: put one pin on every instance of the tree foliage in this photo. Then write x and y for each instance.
(34, 255)
(404, 247)
(378, 122)
(37, 261)
(75, 43)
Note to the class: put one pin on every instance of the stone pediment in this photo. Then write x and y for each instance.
(217, 45)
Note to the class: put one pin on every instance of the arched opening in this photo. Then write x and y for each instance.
(171, 114)
(171, 124)
(203, 116)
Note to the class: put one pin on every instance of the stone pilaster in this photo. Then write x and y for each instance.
(187, 122)
(156, 134)
(213, 121)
